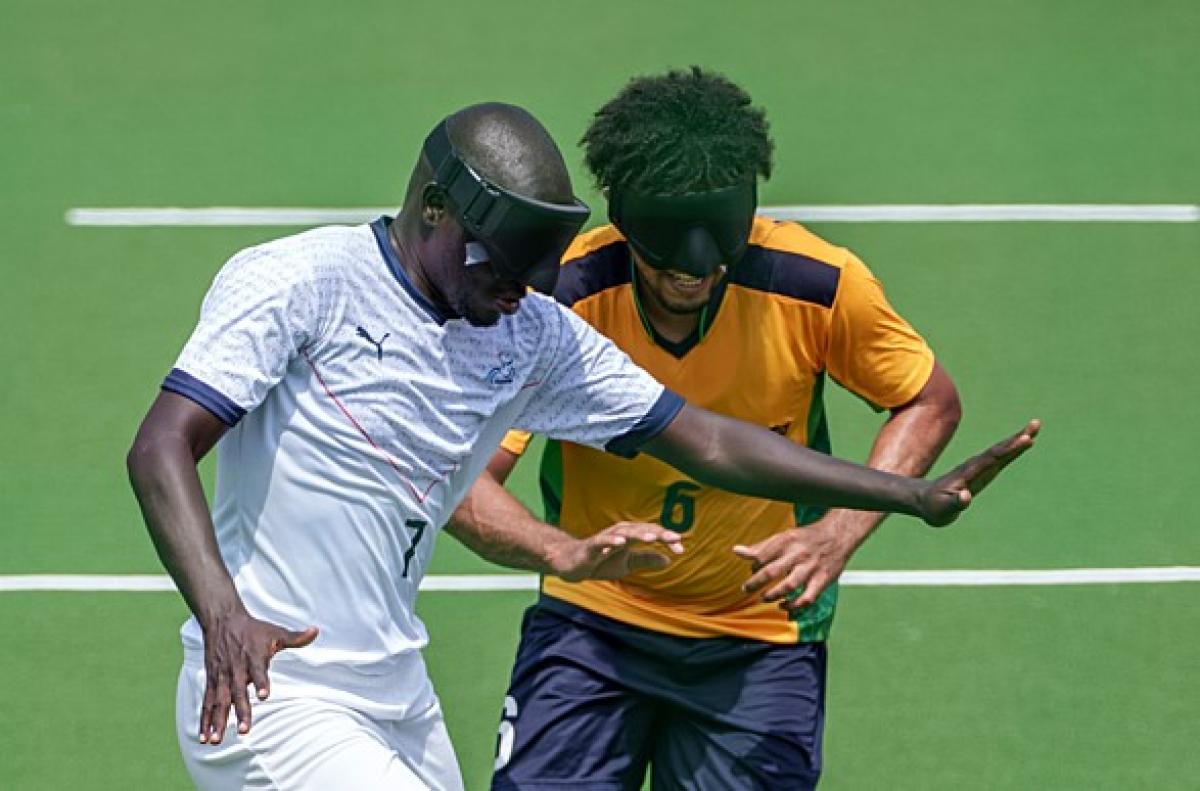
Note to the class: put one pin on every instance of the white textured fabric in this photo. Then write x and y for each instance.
(297, 743)
(367, 418)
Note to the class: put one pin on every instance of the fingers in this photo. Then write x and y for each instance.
(1020, 440)
(1010, 448)
(953, 492)
(647, 560)
(262, 682)
(206, 708)
(983, 469)
(749, 554)
(769, 560)
(294, 639)
(796, 579)
(815, 586)
(236, 656)
(241, 701)
(214, 711)
(794, 567)
(619, 550)
(769, 573)
(625, 533)
(761, 553)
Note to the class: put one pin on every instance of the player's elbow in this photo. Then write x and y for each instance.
(950, 412)
(146, 456)
(138, 461)
(941, 401)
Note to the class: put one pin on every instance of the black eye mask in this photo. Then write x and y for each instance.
(693, 233)
(524, 237)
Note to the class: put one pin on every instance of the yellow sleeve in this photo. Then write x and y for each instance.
(516, 441)
(873, 352)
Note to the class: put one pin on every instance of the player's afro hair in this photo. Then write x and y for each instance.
(684, 131)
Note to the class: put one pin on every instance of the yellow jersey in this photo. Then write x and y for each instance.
(793, 311)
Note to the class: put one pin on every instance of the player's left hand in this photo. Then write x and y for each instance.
(615, 552)
(807, 559)
(944, 499)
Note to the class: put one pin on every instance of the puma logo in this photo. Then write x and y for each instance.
(378, 344)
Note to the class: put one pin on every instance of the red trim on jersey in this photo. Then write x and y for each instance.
(421, 496)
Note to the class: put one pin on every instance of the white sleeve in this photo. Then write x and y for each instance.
(260, 312)
(592, 393)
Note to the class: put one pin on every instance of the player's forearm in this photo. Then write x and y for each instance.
(907, 444)
(164, 478)
(496, 526)
(910, 441)
(749, 460)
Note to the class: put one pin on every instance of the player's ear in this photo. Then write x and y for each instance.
(433, 204)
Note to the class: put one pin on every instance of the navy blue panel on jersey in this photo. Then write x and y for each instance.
(790, 274)
(599, 270)
(593, 702)
(224, 409)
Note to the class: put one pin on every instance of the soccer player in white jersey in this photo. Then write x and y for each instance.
(358, 380)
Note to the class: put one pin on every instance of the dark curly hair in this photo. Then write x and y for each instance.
(684, 131)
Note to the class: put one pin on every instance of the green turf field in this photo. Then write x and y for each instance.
(1091, 327)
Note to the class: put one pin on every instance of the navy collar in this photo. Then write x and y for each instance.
(380, 228)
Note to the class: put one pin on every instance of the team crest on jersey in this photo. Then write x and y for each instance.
(504, 373)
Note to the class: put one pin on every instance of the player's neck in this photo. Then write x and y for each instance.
(411, 262)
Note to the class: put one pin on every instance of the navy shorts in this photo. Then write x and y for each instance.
(593, 702)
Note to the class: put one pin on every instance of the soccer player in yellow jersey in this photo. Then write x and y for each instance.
(709, 670)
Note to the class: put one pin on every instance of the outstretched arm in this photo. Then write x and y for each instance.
(494, 525)
(175, 434)
(750, 460)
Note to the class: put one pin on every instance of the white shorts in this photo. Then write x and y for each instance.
(303, 743)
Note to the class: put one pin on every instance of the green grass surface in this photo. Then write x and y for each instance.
(1090, 327)
(1077, 688)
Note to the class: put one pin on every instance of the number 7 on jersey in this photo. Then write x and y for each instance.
(419, 526)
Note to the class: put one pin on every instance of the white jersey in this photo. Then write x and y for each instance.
(360, 417)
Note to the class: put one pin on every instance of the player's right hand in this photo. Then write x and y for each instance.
(615, 552)
(945, 498)
(237, 650)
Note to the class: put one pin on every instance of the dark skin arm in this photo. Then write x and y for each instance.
(175, 434)
(750, 460)
(813, 557)
(493, 524)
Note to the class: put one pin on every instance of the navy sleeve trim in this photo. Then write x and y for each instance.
(650, 426)
(188, 386)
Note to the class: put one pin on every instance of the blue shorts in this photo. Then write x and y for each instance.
(593, 702)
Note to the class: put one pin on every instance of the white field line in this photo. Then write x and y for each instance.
(529, 582)
(1027, 212)
(130, 217)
